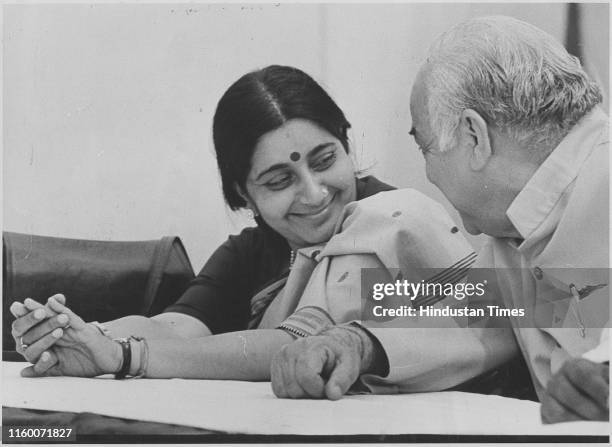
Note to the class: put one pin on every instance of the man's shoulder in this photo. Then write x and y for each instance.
(582, 236)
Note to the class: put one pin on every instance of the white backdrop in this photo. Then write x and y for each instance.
(107, 108)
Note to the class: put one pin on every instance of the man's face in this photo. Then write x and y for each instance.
(450, 170)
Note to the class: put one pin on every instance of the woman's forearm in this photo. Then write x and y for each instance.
(244, 355)
(170, 325)
(139, 325)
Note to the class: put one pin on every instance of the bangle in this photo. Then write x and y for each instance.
(126, 349)
(144, 357)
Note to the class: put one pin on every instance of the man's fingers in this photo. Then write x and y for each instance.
(605, 374)
(291, 386)
(276, 374)
(282, 375)
(33, 352)
(587, 377)
(564, 392)
(308, 370)
(551, 411)
(345, 373)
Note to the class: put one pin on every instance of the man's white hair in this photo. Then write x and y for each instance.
(520, 79)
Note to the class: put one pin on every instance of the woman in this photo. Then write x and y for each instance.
(283, 153)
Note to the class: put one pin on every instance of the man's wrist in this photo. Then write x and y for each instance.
(372, 358)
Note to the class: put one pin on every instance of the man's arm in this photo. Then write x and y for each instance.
(388, 359)
(579, 390)
(326, 365)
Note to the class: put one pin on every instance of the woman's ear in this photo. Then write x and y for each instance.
(352, 155)
(475, 133)
(245, 195)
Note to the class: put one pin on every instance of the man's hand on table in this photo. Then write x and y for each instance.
(579, 390)
(59, 342)
(325, 365)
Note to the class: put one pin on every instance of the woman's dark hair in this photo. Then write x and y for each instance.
(262, 101)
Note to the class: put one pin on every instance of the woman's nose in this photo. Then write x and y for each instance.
(314, 192)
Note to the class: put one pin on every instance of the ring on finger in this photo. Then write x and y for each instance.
(23, 345)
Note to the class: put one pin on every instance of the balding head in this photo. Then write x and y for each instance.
(517, 77)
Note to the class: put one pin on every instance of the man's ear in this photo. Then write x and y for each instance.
(475, 132)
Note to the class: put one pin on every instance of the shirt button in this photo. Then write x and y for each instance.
(537, 272)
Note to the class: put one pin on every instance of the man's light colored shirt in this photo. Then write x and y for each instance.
(559, 269)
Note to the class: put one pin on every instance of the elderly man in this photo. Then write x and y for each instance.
(511, 132)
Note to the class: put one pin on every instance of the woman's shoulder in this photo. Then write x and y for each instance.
(369, 186)
(255, 237)
(396, 205)
(402, 227)
(251, 253)
(258, 243)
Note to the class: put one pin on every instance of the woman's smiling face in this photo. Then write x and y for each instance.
(300, 180)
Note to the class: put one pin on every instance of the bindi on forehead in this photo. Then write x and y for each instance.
(295, 156)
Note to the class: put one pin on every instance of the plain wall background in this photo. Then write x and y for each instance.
(108, 107)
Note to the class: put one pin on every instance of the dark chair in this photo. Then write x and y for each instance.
(102, 280)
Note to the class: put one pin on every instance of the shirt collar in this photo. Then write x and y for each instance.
(537, 199)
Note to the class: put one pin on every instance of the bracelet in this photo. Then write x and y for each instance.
(126, 349)
(144, 357)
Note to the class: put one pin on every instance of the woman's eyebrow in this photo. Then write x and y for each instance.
(274, 167)
(315, 151)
